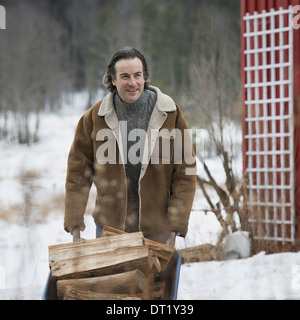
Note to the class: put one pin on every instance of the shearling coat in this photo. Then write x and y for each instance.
(166, 186)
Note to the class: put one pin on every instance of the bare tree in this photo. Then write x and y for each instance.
(31, 73)
(215, 105)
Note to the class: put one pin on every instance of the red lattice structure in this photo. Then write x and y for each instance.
(270, 40)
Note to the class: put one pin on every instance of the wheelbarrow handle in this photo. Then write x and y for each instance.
(76, 234)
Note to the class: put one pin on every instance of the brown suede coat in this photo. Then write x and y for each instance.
(166, 190)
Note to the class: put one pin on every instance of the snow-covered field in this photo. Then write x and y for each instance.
(31, 219)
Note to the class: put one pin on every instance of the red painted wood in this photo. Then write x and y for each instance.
(251, 6)
(297, 113)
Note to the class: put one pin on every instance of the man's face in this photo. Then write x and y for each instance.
(129, 79)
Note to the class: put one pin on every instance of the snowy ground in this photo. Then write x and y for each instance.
(31, 219)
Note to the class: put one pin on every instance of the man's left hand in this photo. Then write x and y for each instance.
(171, 239)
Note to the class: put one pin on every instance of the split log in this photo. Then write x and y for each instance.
(156, 267)
(206, 252)
(110, 231)
(99, 257)
(130, 283)
(162, 251)
(117, 261)
(72, 294)
(88, 247)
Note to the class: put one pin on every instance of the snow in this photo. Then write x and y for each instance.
(31, 218)
(261, 277)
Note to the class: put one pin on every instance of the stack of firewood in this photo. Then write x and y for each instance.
(117, 266)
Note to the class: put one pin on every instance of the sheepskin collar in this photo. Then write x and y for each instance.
(164, 103)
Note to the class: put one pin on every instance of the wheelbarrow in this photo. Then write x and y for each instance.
(170, 275)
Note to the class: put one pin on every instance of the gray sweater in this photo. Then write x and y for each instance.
(134, 116)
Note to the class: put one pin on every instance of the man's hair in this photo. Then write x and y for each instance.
(125, 53)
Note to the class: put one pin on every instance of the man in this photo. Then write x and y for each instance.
(126, 145)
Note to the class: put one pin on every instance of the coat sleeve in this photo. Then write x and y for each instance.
(80, 171)
(183, 181)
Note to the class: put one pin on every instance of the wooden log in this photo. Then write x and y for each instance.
(110, 231)
(111, 262)
(130, 283)
(156, 267)
(97, 246)
(72, 294)
(162, 251)
(99, 257)
(206, 252)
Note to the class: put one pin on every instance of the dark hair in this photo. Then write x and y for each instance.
(125, 53)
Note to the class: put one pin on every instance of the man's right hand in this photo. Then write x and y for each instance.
(75, 232)
(72, 228)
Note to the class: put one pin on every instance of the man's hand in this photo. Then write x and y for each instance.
(72, 228)
(75, 232)
(171, 239)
